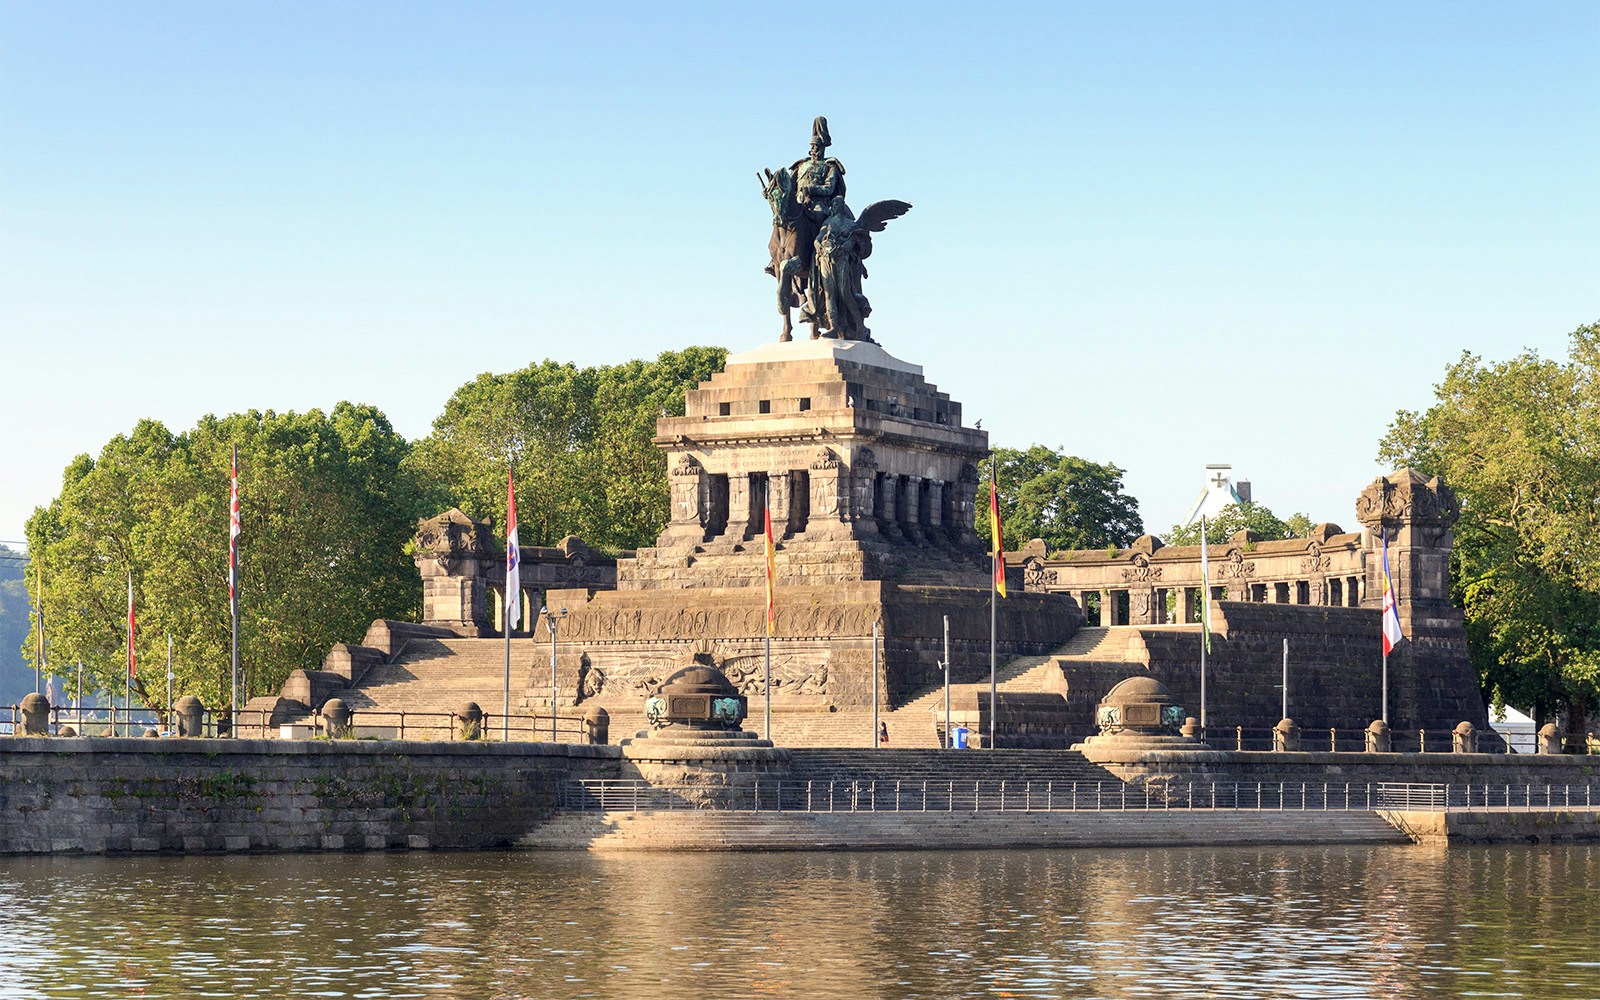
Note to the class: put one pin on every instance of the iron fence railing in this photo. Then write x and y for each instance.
(817, 796)
(363, 724)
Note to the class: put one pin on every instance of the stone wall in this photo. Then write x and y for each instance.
(1335, 668)
(108, 795)
(1520, 771)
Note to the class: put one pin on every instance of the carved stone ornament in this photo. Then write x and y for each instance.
(1315, 563)
(685, 465)
(1141, 571)
(1036, 576)
(969, 474)
(454, 536)
(1404, 497)
(825, 459)
(865, 459)
(1237, 566)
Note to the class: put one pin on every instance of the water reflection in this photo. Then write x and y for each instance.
(1301, 922)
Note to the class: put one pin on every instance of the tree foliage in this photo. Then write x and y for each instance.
(16, 675)
(1069, 502)
(1245, 515)
(326, 511)
(1519, 442)
(579, 439)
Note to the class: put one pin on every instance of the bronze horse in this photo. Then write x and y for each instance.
(792, 247)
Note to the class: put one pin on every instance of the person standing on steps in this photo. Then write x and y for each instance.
(883, 733)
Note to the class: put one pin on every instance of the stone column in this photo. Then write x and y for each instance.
(689, 498)
(858, 494)
(935, 526)
(1108, 608)
(965, 507)
(888, 508)
(738, 527)
(778, 484)
(911, 509)
(831, 486)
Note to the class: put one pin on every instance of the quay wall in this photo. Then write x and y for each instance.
(1498, 826)
(1150, 767)
(117, 795)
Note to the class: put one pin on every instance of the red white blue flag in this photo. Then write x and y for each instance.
(513, 605)
(1391, 611)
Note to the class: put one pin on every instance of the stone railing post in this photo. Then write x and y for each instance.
(1548, 741)
(469, 721)
(1285, 736)
(596, 725)
(337, 715)
(35, 715)
(191, 712)
(1379, 739)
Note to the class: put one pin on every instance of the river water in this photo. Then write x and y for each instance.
(1192, 922)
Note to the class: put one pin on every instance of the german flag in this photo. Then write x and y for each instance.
(994, 527)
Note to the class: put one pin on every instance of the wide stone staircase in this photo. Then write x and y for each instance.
(914, 766)
(912, 829)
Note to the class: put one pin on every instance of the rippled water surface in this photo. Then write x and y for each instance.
(1192, 922)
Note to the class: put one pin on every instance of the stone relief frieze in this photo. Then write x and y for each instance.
(1036, 575)
(1141, 571)
(792, 621)
(1236, 567)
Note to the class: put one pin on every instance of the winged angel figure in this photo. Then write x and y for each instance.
(844, 242)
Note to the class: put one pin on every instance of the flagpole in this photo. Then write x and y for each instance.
(169, 680)
(1205, 619)
(947, 682)
(38, 656)
(766, 731)
(1285, 679)
(127, 695)
(505, 712)
(511, 613)
(995, 571)
(876, 743)
(234, 529)
(768, 558)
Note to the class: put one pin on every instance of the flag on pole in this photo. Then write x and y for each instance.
(38, 574)
(1205, 587)
(994, 526)
(50, 690)
(513, 605)
(233, 530)
(1391, 611)
(772, 608)
(130, 626)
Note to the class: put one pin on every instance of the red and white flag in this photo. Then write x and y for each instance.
(1392, 633)
(513, 559)
(130, 627)
(233, 533)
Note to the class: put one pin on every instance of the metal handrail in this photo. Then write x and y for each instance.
(899, 795)
(117, 720)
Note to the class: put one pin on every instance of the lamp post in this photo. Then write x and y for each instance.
(551, 620)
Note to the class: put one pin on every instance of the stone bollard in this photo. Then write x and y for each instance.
(1464, 739)
(151, 731)
(1190, 730)
(469, 721)
(1286, 735)
(337, 715)
(35, 715)
(1379, 739)
(596, 725)
(66, 731)
(1549, 739)
(191, 713)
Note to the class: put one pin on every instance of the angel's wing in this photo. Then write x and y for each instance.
(878, 214)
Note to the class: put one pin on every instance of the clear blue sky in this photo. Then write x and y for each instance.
(1154, 234)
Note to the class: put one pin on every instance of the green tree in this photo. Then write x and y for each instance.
(1069, 502)
(1519, 442)
(326, 508)
(16, 674)
(579, 439)
(1245, 515)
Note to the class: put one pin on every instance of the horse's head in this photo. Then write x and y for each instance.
(780, 195)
